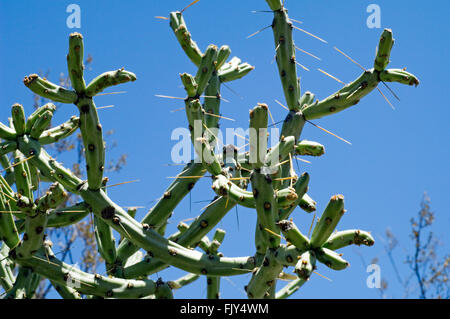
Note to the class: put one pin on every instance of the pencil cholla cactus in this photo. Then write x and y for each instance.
(262, 178)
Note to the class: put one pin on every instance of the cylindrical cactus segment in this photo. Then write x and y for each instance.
(222, 56)
(311, 148)
(331, 259)
(59, 132)
(307, 204)
(400, 76)
(266, 206)
(163, 290)
(234, 70)
(275, 4)
(7, 133)
(41, 124)
(21, 173)
(37, 114)
(300, 187)
(92, 135)
(206, 68)
(258, 135)
(18, 118)
(8, 230)
(293, 235)
(49, 90)
(21, 285)
(108, 79)
(384, 50)
(75, 62)
(328, 221)
(290, 288)
(285, 56)
(265, 276)
(280, 151)
(305, 265)
(184, 37)
(349, 237)
(7, 147)
(306, 98)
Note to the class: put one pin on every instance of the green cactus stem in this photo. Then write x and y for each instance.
(328, 221)
(59, 132)
(345, 238)
(290, 288)
(293, 235)
(331, 259)
(107, 79)
(305, 265)
(311, 148)
(48, 90)
(264, 277)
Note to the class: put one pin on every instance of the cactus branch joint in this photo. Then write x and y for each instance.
(262, 179)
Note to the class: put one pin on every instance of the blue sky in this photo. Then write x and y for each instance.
(394, 158)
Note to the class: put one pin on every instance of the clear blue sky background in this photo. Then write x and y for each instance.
(395, 155)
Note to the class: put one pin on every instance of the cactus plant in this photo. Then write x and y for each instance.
(262, 179)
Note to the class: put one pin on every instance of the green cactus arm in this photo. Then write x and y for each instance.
(290, 288)
(300, 187)
(21, 285)
(65, 292)
(18, 118)
(48, 90)
(7, 133)
(66, 216)
(222, 56)
(307, 204)
(159, 213)
(106, 243)
(211, 103)
(331, 259)
(275, 4)
(21, 175)
(311, 148)
(206, 68)
(7, 277)
(41, 124)
(258, 135)
(183, 36)
(107, 79)
(183, 281)
(305, 265)
(163, 290)
(285, 57)
(266, 206)
(59, 132)
(293, 235)
(135, 258)
(328, 221)
(234, 70)
(384, 50)
(306, 98)
(75, 64)
(223, 187)
(36, 219)
(5, 148)
(92, 135)
(265, 276)
(189, 237)
(351, 93)
(37, 114)
(280, 151)
(400, 76)
(47, 265)
(345, 238)
(8, 230)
